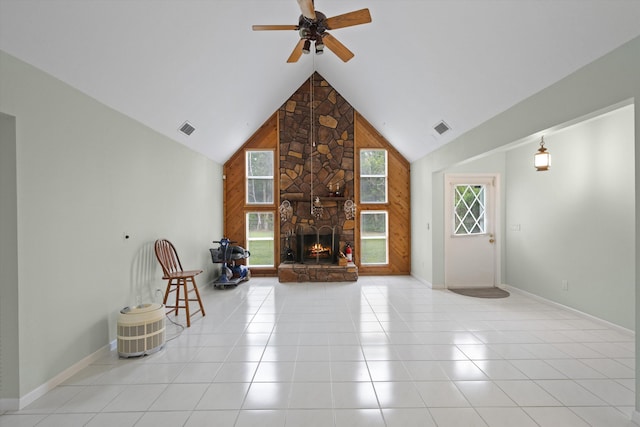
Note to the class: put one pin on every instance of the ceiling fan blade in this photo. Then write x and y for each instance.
(357, 17)
(307, 9)
(336, 47)
(273, 27)
(297, 52)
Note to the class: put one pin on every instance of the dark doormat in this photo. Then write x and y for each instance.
(481, 292)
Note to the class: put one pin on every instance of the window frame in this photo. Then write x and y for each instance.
(461, 226)
(363, 237)
(248, 239)
(248, 178)
(385, 176)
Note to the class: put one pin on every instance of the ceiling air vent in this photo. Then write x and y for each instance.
(441, 127)
(187, 128)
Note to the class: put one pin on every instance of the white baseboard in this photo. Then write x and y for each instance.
(426, 283)
(566, 307)
(421, 280)
(9, 404)
(40, 391)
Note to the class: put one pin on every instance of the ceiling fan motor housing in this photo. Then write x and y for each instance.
(312, 29)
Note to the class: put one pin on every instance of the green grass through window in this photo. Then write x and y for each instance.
(373, 251)
(261, 252)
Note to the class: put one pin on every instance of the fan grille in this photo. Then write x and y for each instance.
(441, 127)
(187, 128)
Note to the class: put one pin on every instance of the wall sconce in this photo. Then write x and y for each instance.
(542, 159)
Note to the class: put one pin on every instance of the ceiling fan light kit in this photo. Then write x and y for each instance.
(312, 28)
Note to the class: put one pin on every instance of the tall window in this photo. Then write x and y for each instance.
(373, 176)
(259, 177)
(374, 239)
(260, 232)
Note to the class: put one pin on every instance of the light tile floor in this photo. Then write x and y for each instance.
(385, 351)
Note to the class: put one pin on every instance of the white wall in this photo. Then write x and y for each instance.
(422, 221)
(611, 80)
(576, 222)
(608, 81)
(493, 163)
(9, 358)
(86, 175)
(427, 212)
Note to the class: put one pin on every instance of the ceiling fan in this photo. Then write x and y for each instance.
(312, 27)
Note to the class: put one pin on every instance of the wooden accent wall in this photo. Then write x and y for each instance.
(273, 133)
(235, 207)
(398, 206)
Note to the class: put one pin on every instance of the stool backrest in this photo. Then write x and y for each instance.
(167, 257)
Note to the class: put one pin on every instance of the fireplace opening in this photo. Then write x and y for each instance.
(317, 245)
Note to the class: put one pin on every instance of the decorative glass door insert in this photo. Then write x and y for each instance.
(469, 210)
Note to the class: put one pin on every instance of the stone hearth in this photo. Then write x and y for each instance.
(288, 273)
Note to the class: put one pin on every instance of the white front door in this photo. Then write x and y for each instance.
(469, 236)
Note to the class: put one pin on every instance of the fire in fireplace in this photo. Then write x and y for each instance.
(317, 250)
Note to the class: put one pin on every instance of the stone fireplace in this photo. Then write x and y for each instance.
(316, 179)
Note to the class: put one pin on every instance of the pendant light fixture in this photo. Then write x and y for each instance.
(542, 159)
(316, 205)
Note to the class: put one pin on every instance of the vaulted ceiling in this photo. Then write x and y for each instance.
(164, 62)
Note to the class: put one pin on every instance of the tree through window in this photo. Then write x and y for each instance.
(373, 176)
(259, 177)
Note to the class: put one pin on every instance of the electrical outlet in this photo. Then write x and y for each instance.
(565, 285)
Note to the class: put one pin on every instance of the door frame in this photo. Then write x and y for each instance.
(497, 227)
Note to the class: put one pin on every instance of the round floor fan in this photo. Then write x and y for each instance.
(312, 27)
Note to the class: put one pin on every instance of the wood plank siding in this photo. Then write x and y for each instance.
(235, 188)
(398, 206)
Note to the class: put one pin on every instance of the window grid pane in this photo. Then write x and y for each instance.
(373, 176)
(260, 239)
(260, 164)
(373, 238)
(259, 177)
(259, 191)
(469, 210)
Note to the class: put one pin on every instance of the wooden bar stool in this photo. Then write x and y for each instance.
(177, 279)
